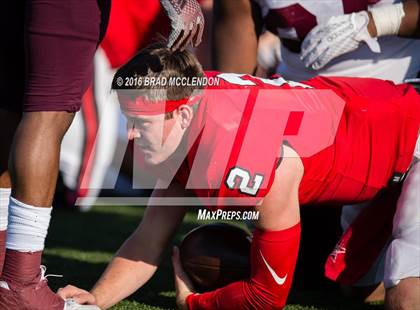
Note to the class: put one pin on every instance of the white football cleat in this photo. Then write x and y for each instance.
(70, 304)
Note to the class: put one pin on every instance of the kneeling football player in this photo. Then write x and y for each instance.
(243, 142)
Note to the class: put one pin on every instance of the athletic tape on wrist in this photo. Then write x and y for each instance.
(388, 18)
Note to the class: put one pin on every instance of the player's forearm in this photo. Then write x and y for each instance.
(409, 24)
(235, 37)
(138, 258)
(122, 278)
(125, 274)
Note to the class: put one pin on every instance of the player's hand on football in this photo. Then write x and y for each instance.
(339, 35)
(78, 295)
(183, 284)
(187, 23)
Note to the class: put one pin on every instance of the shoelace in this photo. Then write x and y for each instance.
(45, 276)
(4, 284)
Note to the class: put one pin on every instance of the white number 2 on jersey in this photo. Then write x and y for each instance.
(244, 177)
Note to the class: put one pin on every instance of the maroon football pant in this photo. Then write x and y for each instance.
(47, 52)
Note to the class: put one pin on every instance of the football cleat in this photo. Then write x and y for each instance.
(70, 304)
(35, 295)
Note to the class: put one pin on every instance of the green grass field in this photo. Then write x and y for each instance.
(80, 245)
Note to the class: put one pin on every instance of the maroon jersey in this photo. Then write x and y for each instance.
(292, 21)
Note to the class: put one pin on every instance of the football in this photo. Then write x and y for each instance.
(215, 255)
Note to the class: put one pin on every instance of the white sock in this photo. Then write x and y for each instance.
(4, 207)
(28, 227)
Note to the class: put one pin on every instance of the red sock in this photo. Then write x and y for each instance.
(273, 260)
(3, 235)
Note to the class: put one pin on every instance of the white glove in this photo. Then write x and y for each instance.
(340, 35)
(187, 22)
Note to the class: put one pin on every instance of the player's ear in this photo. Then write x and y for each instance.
(185, 114)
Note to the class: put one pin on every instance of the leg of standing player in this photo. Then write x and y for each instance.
(60, 41)
(11, 119)
(11, 89)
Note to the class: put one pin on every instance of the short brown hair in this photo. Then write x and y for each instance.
(158, 61)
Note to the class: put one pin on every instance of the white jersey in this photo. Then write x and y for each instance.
(292, 20)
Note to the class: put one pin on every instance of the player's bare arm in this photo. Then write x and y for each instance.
(280, 208)
(138, 258)
(236, 30)
(409, 26)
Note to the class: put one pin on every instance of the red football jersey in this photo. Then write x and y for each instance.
(375, 139)
(352, 135)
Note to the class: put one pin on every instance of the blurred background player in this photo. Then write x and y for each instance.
(319, 38)
(292, 21)
(53, 44)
